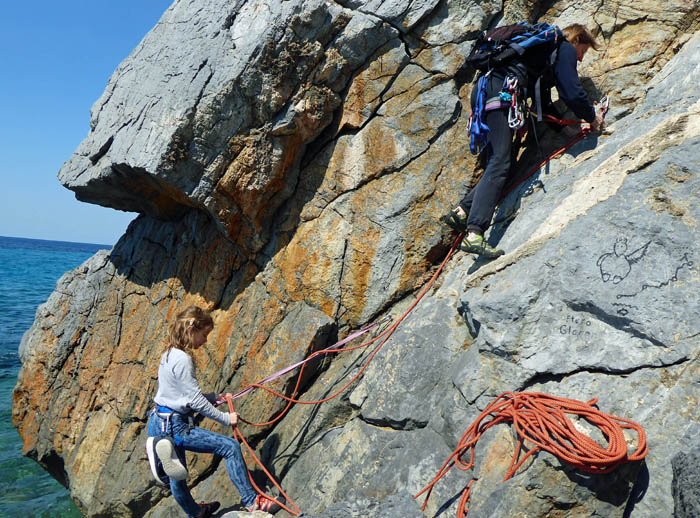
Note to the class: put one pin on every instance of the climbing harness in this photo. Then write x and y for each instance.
(510, 95)
(166, 414)
(541, 419)
(503, 48)
(334, 349)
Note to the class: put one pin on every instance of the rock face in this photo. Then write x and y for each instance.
(290, 160)
(685, 485)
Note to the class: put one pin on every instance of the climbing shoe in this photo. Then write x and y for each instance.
(207, 510)
(155, 463)
(262, 503)
(173, 465)
(478, 245)
(454, 220)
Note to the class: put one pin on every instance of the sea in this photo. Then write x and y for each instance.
(29, 269)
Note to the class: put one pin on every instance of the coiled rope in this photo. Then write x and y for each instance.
(541, 419)
(382, 338)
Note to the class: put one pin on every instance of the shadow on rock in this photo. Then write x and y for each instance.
(624, 486)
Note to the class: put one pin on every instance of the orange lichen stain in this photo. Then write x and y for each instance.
(264, 327)
(415, 264)
(224, 324)
(359, 266)
(381, 148)
(293, 144)
(499, 454)
(93, 450)
(29, 432)
(240, 172)
(355, 102)
(308, 268)
(297, 268)
(329, 306)
(34, 387)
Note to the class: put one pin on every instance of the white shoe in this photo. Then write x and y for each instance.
(173, 466)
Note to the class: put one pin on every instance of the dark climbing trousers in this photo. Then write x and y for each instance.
(481, 201)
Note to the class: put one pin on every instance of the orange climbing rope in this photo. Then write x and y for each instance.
(293, 509)
(383, 336)
(541, 419)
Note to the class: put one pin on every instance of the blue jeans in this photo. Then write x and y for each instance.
(203, 441)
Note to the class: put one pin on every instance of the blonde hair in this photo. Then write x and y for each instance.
(577, 33)
(180, 331)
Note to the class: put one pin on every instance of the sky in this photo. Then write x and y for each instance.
(56, 60)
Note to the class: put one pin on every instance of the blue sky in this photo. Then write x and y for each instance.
(56, 60)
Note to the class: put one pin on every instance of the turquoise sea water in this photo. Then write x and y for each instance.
(29, 270)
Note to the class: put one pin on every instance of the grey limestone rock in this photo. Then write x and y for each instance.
(291, 160)
(685, 484)
(400, 504)
(161, 135)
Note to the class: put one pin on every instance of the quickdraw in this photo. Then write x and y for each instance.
(604, 104)
(511, 93)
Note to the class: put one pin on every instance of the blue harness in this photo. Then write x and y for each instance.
(478, 130)
(165, 413)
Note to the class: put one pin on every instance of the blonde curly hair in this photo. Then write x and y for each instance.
(180, 331)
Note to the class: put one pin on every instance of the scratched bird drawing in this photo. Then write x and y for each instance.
(636, 269)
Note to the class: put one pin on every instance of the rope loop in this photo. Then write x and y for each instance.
(541, 420)
(383, 336)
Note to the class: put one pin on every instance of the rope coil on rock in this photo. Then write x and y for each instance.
(541, 419)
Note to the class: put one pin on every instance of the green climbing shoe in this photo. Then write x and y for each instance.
(454, 220)
(478, 245)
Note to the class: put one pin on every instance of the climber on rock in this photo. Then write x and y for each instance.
(171, 428)
(531, 75)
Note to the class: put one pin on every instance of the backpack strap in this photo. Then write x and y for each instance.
(538, 98)
(538, 84)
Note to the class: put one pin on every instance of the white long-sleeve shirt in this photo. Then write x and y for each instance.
(178, 388)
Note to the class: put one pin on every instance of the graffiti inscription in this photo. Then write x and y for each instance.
(615, 266)
(685, 262)
(576, 326)
(624, 309)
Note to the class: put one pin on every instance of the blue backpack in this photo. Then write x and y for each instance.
(503, 47)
